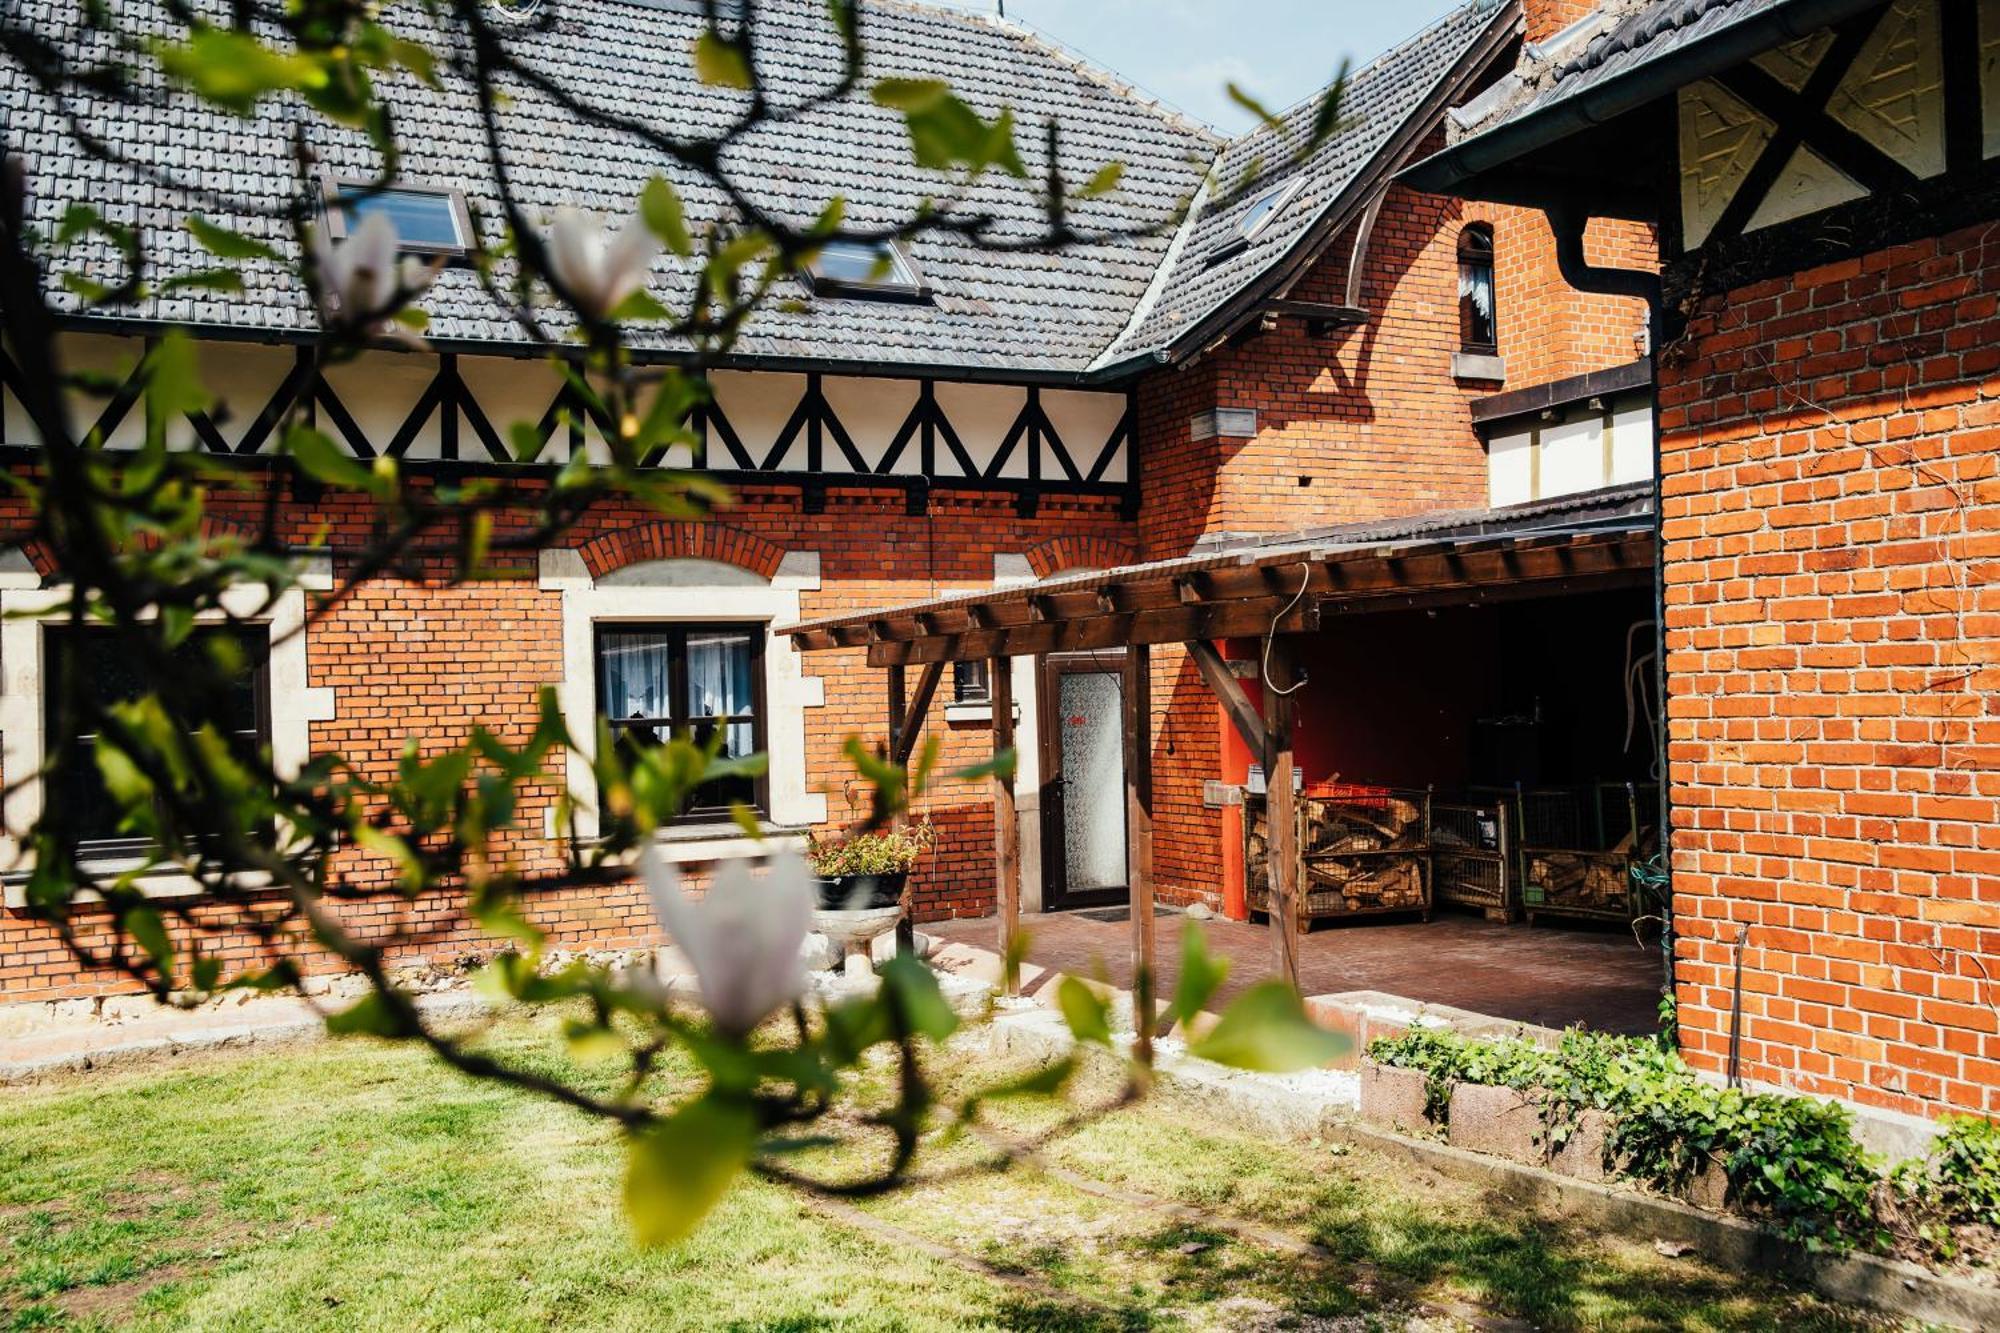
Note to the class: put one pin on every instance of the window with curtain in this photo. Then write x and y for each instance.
(109, 676)
(1477, 327)
(656, 682)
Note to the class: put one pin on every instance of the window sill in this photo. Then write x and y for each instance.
(973, 715)
(724, 841)
(165, 884)
(1479, 366)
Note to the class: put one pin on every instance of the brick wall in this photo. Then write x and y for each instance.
(417, 658)
(1831, 462)
(1364, 423)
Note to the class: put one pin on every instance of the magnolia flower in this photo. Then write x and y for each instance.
(359, 278)
(744, 938)
(596, 269)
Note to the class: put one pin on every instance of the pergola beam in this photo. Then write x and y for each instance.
(1139, 841)
(1006, 826)
(1281, 857)
(1235, 702)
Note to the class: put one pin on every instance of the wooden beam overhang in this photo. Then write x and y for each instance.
(1243, 595)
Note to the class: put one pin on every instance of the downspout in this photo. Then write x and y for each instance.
(1568, 223)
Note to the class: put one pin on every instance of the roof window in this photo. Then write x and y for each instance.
(430, 219)
(881, 269)
(1258, 216)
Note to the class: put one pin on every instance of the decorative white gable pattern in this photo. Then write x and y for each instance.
(1807, 184)
(1894, 95)
(1793, 63)
(1721, 139)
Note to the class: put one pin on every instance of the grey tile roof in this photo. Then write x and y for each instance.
(1020, 312)
(1630, 36)
(1380, 97)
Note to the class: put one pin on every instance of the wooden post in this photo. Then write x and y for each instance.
(1282, 810)
(1139, 840)
(1006, 825)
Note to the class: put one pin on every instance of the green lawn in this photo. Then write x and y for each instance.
(352, 1186)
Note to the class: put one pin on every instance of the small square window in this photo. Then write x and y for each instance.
(970, 683)
(429, 219)
(880, 269)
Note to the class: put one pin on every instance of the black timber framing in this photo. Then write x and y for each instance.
(1050, 462)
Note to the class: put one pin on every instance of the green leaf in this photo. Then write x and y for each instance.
(1089, 1018)
(1044, 1082)
(1267, 1029)
(224, 243)
(78, 221)
(173, 383)
(1105, 181)
(324, 461)
(1200, 975)
(124, 781)
(911, 94)
(640, 305)
(149, 932)
(914, 989)
(232, 69)
(1327, 118)
(677, 1170)
(945, 134)
(660, 209)
(370, 1016)
(719, 61)
(524, 438)
(207, 279)
(1252, 105)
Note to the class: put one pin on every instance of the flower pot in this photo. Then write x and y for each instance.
(860, 893)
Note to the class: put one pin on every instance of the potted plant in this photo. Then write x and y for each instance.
(868, 870)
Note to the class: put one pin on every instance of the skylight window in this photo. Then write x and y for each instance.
(1259, 215)
(866, 268)
(430, 219)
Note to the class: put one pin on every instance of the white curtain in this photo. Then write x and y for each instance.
(718, 674)
(637, 675)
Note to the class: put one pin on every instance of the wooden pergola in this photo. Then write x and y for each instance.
(1268, 592)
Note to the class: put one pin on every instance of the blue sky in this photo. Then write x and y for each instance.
(1188, 51)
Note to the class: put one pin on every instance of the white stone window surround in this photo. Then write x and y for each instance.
(29, 607)
(695, 590)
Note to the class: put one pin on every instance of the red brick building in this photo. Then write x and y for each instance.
(1323, 350)
(1823, 180)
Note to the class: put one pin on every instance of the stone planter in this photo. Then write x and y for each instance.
(1582, 1154)
(858, 893)
(854, 933)
(1394, 1098)
(1499, 1121)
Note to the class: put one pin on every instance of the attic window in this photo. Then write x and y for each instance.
(430, 219)
(1259, 215)
(1254, 220)
(880, 269)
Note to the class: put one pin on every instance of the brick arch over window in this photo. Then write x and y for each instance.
(1065, 553)
(680, 541)
(44, 560)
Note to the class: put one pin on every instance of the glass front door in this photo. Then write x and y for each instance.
(1084, 754)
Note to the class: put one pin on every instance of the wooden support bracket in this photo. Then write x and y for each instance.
(1229, 692)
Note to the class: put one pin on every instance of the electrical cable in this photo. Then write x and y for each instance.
(1305, 581)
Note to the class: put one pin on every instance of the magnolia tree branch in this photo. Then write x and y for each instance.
(280, 855)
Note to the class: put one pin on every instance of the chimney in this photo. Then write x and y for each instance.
(1546, 18)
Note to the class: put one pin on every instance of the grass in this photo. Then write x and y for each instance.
(355, 1186)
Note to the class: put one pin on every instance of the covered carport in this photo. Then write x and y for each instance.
(1277, 595)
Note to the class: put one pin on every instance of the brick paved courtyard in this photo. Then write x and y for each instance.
(1549, 975)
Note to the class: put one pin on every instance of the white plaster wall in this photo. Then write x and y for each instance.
(1572, 456)
(1510, 468)
(758, 406)
(872, 411)
(982, 414)
(1631, 444)
(1086, 421)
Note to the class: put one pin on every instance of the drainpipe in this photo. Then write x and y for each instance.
(1568, 223)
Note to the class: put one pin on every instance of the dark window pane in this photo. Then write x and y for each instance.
(421, 217)
(110, 676)
(696, 682)
(1478, 328)
(970, 683)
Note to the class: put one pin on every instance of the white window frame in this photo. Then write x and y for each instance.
(30, 608)
(705, 592)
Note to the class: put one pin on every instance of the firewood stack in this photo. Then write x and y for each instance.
(1360, 854)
